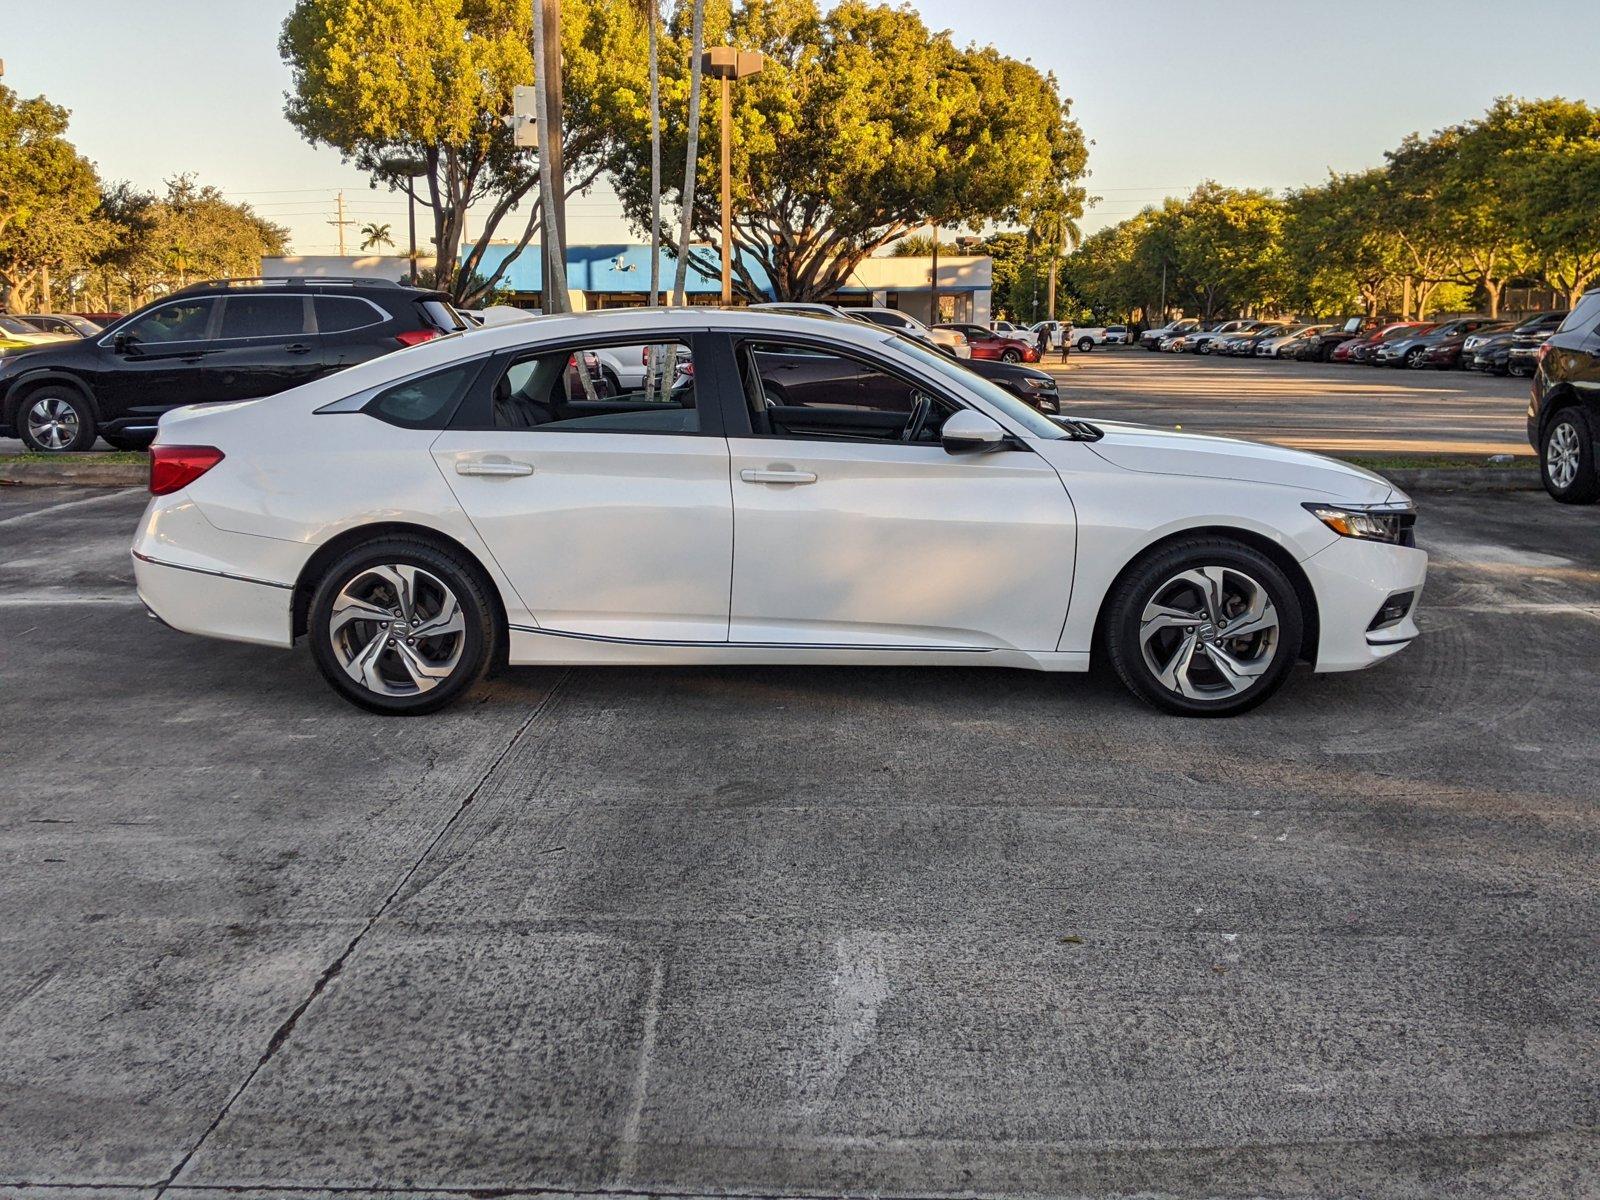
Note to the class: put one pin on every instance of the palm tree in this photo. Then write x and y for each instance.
(691, 159)
(374, 235)
(1063, 236)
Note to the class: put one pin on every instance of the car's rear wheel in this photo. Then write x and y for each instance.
(1204, 627)
(55, 420)
(1085, 345)
(1566, 460)
(402, 627)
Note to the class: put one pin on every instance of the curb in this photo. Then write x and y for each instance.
(79, 470)
(1468, 479)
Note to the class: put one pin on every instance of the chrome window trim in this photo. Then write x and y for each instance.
(112, 334)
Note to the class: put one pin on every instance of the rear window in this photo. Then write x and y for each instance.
(263, 316)
(1584, 316)
(338, 314)
(442, 315)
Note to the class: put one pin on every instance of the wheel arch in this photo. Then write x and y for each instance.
(26, 384)
(330, 551)
(1280, 557)
(1563, 395)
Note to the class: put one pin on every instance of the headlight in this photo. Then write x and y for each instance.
(1391, 523)
(1038, 385)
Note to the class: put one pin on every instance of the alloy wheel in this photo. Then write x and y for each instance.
(1209, 633)
(1561, 455)
(52, 423)
(397, 630)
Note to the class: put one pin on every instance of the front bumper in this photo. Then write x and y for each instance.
(1352, 580)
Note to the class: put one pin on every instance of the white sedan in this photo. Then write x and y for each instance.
(811, 492)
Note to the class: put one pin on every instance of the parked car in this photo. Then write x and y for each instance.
(952, 342)
(220, 341)
(1279, 345)
(1083, 338)
(1008, 329)
(1523, 359)
(1407, 350)
(1361, 350)
(985, 343)
(1444, 353)
(1201, 340)
(1491, 352)
(66, 324)
(423, 516)
(1564, 410)
(1151, 339)
(1243, 345)
(1117, 335)
(1030, 384)
(1321, 347)
(17, 329)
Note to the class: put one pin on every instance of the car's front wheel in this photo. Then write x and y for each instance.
(55, 420)
(401, 626)
(1204, 627)
(1567, 460)
(1011, 356)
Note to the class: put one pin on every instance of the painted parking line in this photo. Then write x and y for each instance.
(62, 507)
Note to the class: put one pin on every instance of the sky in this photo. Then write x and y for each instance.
(1170, 93)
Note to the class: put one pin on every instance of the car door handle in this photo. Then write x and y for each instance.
(298, 348)
(497, 467)
(778, 476)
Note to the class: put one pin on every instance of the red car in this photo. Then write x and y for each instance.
(986, 343)
(1359, 349)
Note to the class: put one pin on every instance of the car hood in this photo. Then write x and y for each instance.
(1169, 452)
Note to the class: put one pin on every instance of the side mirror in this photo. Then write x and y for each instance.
(969, 432)
(124, 343)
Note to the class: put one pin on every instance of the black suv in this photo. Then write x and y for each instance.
(232, 339)
(1564, 413)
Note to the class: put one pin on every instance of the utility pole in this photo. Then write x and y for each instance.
(1162, 315)
(933, 278)
(725, 64)
(551, 153)
(340, 223)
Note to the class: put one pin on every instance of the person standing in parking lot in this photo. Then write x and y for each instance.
(1043, 342)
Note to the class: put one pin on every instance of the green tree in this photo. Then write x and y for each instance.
(862, 126)
(1339, 252)
(1555, 205)
(48, 197)
(430, 81)
(1230, 246)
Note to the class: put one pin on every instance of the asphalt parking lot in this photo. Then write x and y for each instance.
(800, 932)
(1314, 406)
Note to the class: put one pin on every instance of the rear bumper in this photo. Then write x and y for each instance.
(1353, 580)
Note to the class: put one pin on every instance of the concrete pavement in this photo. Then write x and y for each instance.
(805, 932)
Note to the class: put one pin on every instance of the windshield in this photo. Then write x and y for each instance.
(1036, 423)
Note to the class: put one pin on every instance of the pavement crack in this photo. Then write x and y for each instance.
(285, 1031)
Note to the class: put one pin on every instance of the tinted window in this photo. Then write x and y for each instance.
(180, 321)
(425, 402)
(263, 316)
(335, 314)
(614, 389)
(442, 316)
(795, 390)
(1584, 315)
(878, 318)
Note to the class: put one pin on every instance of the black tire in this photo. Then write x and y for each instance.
(1569, 430)
(55, 419)
(1156, 575)
(1085, 345)
(480, 635)
(118, 441)
(1413, 358)
(613, 384)
(1011, 356)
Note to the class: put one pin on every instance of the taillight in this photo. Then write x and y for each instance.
(415, 337)
(1544, 348)
(173, 468)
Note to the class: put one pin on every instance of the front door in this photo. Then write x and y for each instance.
(609, 513)
(854, 526)
(264, 346)
(157, 361)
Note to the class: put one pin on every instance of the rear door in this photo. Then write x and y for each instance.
(265, 344)
(610, 514)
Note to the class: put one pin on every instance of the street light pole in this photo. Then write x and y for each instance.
(725, 64)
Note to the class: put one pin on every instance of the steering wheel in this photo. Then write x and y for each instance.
(921, 410)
